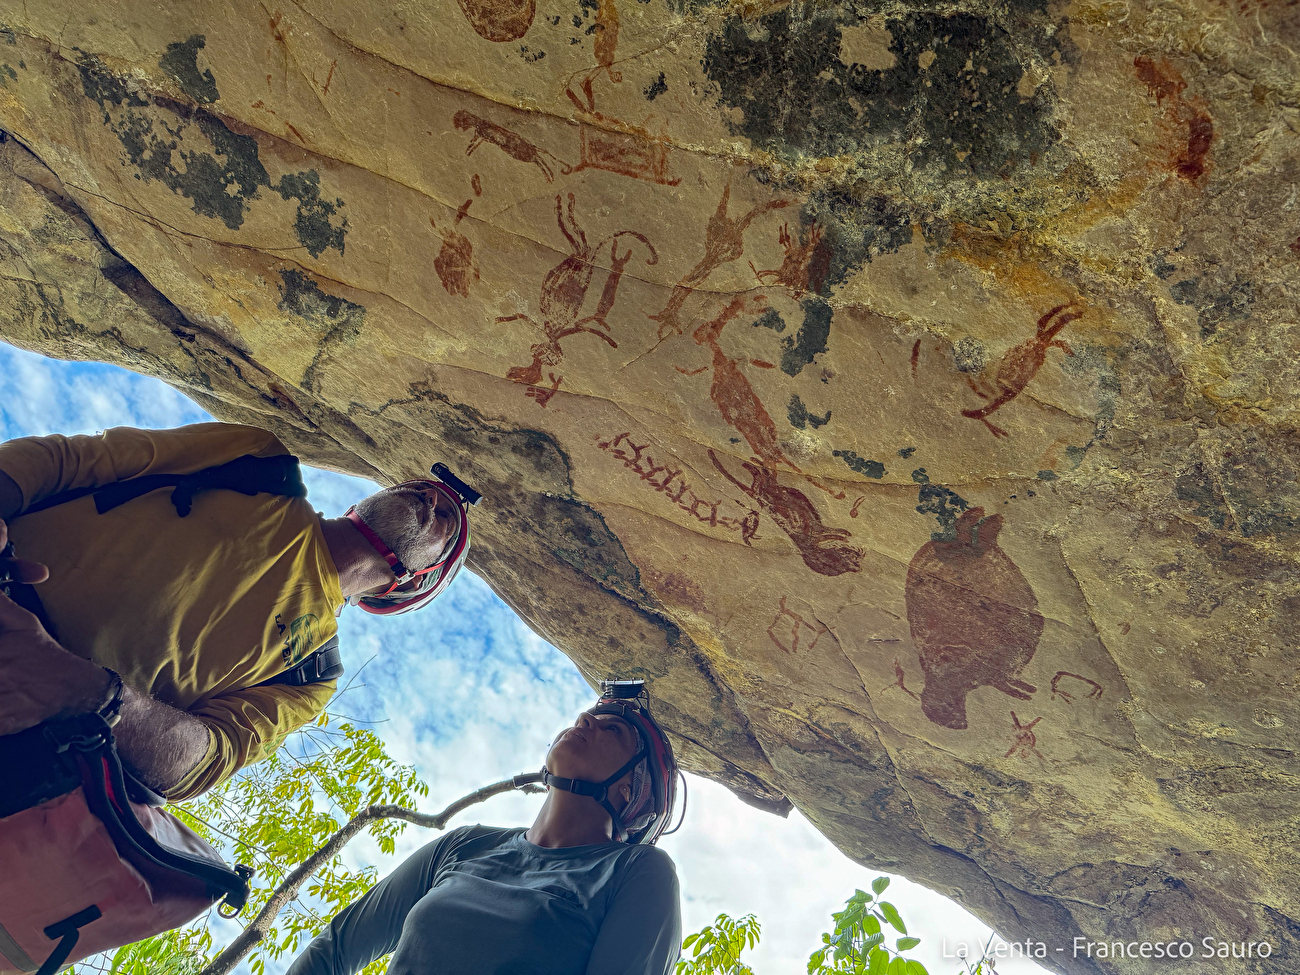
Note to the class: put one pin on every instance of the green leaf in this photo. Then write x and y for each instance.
(897, 967)
(879, 884)
(690, 941)
(915, 968)
(905, 944)
(870, 924)
(891, 915)
(879, 962)
(815, 961)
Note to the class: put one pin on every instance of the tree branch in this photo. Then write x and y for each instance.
(260, 926)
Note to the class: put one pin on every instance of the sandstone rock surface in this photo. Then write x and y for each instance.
(907, 390)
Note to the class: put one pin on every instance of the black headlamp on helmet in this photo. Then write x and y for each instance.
(654, 794)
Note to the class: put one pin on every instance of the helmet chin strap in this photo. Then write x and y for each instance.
(597, 790)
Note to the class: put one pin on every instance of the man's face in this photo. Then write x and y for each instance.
(593, 749)
(415, 520)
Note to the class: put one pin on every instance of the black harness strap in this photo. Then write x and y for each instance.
(67, 932)
(325, 663)
(248, 475)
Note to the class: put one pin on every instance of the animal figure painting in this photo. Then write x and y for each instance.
(499, 20)
(791, 632)
(511, 143)
(454, 264)
(732, 393)
(824, 550)
(614, 145)
(806, 263)
(973, 616)
(564, 290)
(1019, 366)
(724, 242)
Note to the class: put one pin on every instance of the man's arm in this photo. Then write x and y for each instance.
(38, 678)
(245, 726)
(35, 468)
(160, 744)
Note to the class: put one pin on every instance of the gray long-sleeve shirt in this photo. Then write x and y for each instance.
(484, 901)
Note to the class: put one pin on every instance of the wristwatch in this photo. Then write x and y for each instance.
(111, 710)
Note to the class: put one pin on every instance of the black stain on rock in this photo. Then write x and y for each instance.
(1260, 480)
(867, 468)
(655, 88)
(312, 224)
(800, 418)
(952, 93)
(1196, 487)
(1215, 307)
(939, 501)
(855, 229)
(906, 452)
(194, 153)
(181, 62)
(339, 320)
(770, 319)
(810, 341)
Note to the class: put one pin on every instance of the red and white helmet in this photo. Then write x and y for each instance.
(414, 588)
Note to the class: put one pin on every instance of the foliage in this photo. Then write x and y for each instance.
(272, 816)
(717, 948)
(857, 945)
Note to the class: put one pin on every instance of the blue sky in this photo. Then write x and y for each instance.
(466, 693)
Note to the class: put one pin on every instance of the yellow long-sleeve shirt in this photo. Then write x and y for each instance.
(192, 611)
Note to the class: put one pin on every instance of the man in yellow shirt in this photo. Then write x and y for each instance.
(201, 596)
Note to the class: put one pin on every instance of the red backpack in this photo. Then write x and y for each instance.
(89, 862)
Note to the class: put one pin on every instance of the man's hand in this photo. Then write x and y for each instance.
(20, 570)
(38, 678)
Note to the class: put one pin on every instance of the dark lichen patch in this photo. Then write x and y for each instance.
(181, 62)
(1215, 307)
(953, 92)
(1197, 488)
(7, 74)
(855, 229)
(860, 465)
(939, 501)
(800, 418)
(810, 341)
(906, 452)
(195, 154)
(1260, 481)
(312, 224)
(338, 319)
(655, 88)
(300, 295)
(770, 319)
(1047, 475)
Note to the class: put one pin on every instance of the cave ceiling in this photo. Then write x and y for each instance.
(906, 390)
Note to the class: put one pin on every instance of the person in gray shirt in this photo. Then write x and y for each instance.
(583, 891)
